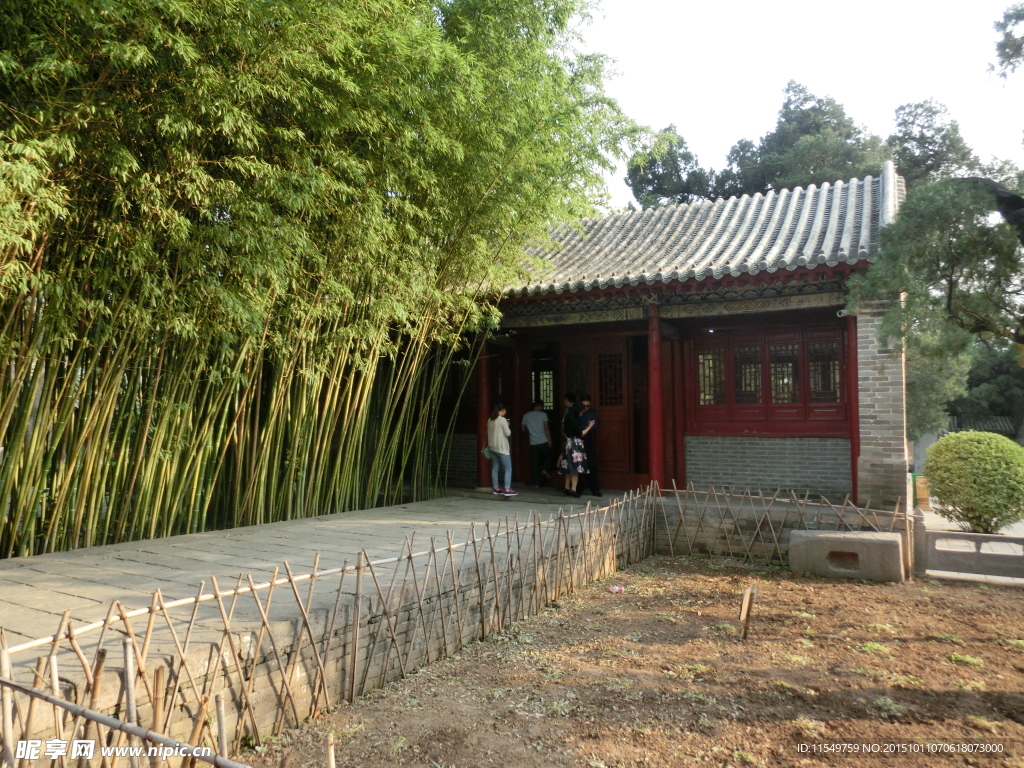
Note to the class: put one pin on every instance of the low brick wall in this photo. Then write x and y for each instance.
(757, 528)
(801, 464)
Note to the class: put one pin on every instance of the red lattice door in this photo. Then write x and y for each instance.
(612, 401)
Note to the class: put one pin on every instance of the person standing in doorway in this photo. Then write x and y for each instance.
(588, 428)
(536, 424)
(498, 433)
(573, 460)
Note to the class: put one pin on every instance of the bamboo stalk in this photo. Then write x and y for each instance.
(455, 592)
(130, 677)
(236, 661)
(391, 628)
(285, 687)
(197, 728)
(327, 639)
(330, 751)
(7, 704)
(159, 688)
(494, 577)
(27, 730)
(355, 628)
(479, 582)
(438, 613)
(304, 611)
(222, 726)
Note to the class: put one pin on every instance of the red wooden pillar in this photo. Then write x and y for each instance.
(516, 408)
(656, 450)
(678, 414)
(483, 412)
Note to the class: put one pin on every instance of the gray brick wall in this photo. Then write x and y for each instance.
(816, 464)
(462, 462)
(882, 465)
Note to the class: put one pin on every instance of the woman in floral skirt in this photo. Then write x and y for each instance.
(573, 461)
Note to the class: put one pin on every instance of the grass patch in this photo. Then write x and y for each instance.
(973, 685)
(886, 707)
(963, 658)
(955, 639)
(886, 628)
(981, 723)
(876, 648)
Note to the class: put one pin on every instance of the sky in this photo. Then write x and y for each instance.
(717, 70)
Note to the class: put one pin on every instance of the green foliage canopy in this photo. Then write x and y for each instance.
(952, 257)
(814, 141)
(241, 239)
(936, 373)
(1010, 48)
(978, 478)
(995, 383)
(927, 145)
(668, 173)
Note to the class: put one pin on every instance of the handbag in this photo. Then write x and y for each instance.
(487, 453)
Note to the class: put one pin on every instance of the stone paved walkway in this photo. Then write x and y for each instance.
(35, 591)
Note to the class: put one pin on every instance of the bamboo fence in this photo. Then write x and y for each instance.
(754, 526)
(237, 663)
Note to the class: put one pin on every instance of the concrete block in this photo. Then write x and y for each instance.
(850, 555)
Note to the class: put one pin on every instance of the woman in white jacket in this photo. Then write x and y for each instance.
(498, 433)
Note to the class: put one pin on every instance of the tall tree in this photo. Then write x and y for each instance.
(927, 145)
(995, 384)
(952, 259)
(938, 361)
(814, 141)
(1010, 47)
(957, 266)
(667, 173)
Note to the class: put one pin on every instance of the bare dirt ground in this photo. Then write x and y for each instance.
(657, 676)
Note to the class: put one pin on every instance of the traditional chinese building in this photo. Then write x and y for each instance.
(714, 341)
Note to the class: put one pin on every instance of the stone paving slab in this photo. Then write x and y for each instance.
(35, 591)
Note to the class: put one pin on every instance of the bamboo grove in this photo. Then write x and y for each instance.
(243, 242)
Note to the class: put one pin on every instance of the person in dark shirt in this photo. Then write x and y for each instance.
(588, 428)
(573, 461)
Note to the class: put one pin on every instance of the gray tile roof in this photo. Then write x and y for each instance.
(710, 239)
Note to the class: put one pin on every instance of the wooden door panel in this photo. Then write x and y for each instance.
(612, 442)
(612, 401)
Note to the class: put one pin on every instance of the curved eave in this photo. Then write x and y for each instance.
(621, 281)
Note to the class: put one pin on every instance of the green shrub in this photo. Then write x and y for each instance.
(978, 478)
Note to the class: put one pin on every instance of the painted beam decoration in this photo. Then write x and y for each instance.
(732, 300)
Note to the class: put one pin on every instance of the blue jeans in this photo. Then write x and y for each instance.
(503, 461)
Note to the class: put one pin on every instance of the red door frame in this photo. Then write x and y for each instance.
(655, 410)
(566, 336)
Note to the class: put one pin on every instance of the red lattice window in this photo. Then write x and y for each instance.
(577, 374)
(769, 381)
(823, 360)
(785, 373)
(747, 374)
(609, 379)
(711, 377)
